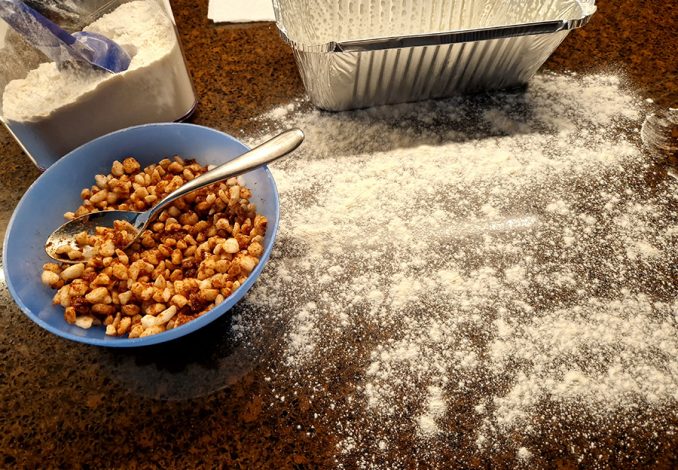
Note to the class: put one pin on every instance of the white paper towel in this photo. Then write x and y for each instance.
(240, 11)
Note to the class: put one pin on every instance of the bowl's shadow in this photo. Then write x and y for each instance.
(195, 365)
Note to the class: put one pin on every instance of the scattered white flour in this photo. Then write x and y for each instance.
(46, 108)
(281, 112)
(462, 277)
(603, 340)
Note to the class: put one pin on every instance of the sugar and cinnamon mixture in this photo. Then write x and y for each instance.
(476, 277)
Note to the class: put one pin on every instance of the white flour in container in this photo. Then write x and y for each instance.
(52, 111)
(475, 277)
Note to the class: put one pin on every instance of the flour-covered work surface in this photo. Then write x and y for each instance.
(482, 282)
(461, 280)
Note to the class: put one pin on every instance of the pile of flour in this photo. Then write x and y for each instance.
(52, 111)
(474, 276)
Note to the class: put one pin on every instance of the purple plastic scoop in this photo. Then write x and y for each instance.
(61, 46)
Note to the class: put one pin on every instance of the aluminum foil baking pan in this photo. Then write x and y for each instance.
(360, 53)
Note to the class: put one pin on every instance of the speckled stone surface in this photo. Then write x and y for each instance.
(203, 401)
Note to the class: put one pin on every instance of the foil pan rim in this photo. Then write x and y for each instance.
(437, 39)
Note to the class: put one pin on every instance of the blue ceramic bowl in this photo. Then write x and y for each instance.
(57, 190)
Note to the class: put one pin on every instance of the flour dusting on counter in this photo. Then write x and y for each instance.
(474, 272)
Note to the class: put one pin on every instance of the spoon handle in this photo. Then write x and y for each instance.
(267, 152)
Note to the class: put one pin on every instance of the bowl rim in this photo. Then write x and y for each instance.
(180, 331)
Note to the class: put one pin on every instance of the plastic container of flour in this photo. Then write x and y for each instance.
(52, 109)
(360, 53)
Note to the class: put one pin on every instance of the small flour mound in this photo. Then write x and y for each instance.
(524, 454)
(435, 408)
(474, 274)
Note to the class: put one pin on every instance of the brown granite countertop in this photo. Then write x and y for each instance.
(70, 405)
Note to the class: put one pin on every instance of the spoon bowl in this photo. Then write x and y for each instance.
(62, 240)
(65, 234)
(102, 52)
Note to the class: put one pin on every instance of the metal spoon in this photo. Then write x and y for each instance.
(60, 46)
(265, 153)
